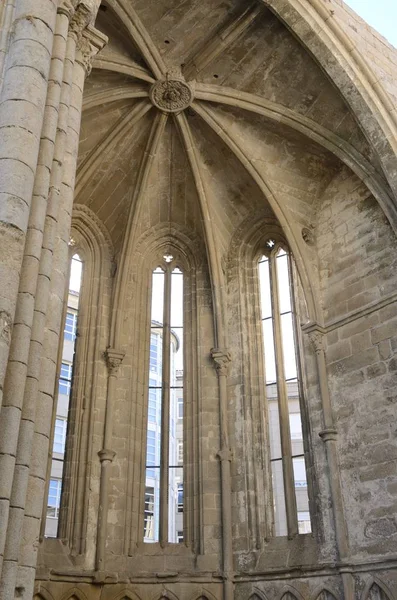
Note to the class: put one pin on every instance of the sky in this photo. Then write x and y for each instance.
(380, 14)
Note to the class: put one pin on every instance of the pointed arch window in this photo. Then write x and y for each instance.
(283, 386)
(164, 473)
(59, 433)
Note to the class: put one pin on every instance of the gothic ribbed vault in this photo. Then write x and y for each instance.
(247, 124)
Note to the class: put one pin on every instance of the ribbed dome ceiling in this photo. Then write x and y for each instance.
(208, 101)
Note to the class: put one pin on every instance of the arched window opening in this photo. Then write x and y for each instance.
(164, 475)
(63, 397)
(283, 391)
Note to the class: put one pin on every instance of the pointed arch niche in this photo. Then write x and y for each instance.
(166, 247)
(252, 395)
(89, 240)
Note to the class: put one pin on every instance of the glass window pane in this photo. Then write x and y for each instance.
(59, 436)
(157, 296)
(288, 341)
(175, 504)
(274, 421)
(151, 510)
(156, 358)
(264, 286)
(176, 363)
(76, 270)
(280, 515)
(268, 349)
(301, 493)
(283, 281)
(176, 298)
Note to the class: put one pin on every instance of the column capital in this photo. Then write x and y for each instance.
(82, 16)
(222, 359)
(114, 358)
(89, 43)
(225, 455)
(316, 339)
(67, 8)
(106, 455)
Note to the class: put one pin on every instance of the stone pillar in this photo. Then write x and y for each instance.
(14, 385)
(49, 302)
(329, 437)
(22, 101)
(221, 360)
(6, 15)
(114, 359)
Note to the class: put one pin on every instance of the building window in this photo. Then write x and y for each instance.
(164, 446)
(54, 498)
(60, 435)
(70, 326)
(65, 379)
(283, 391)
(150, 517)
(180, 497)
(180, 537)
(180, 452)
(64, 388)
(180, 408)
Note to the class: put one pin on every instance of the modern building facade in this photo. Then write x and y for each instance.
(226, 173)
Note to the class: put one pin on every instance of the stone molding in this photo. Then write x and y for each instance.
(222, 359)
(114, 358)
(349, 318)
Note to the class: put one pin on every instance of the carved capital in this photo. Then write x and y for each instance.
(316, 339)
(225, 455)
(113, 360)
(89, 43)
(106, 455)
(222, 360)
(81, 18)
(328, 435)
(67, 8)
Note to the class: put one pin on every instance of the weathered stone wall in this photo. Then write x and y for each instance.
(357, 256)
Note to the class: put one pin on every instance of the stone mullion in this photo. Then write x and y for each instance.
(67, 162)
(285, 435)
(165, 410)
(22, 100)
(19, 351)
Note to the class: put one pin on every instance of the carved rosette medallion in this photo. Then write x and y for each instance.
(171, 95)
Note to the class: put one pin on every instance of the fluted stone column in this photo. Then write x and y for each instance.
(87, 46)
(22, 102)
(17, 399)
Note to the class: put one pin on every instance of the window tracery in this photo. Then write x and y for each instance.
(164, 471)
(283, 387)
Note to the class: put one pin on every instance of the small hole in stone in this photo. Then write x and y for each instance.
(216, 76)
(166, 41)
(103, 8)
